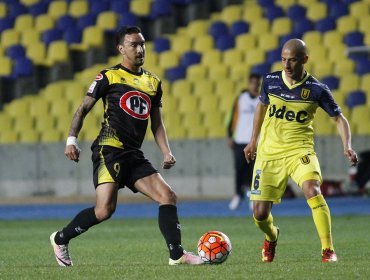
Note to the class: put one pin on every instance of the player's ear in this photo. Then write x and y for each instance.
(120, 49)
(305, 59)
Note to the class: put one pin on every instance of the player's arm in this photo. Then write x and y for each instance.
(345, 134)
(259, 115)
(72, 150)
(160, 136)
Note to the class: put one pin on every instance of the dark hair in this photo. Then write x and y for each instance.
(126, 30)
(254, 76)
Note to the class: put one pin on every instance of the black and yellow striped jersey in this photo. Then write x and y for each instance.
(128, 99)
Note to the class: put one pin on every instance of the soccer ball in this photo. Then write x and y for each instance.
(214, 247)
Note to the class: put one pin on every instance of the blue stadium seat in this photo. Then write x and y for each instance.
(15, 9)
(239, 27)
(225, 42)
(51, 35)
(330, 3)
(355, 98)
(354, 38)
(15, 52)
(160, 8)
(38, 9)
(218, 29)
(120, 6)
(66, 22)
(325, 24)
(72, 35)
(86, 20)
(302, 26)
(363, 66)
(161, 45)
(296, 12)
(261, 69)
(331, 81)
(349, 1)
(98, 6)
(338, 10)
(273, 12)
(190, 58)
(287, 37)
(6, 23)
(273, 55)
(175, 73)
(266, 3)
(22, 67)
(127, 19)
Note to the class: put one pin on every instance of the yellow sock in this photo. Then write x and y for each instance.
(322, 220)
(267, 227)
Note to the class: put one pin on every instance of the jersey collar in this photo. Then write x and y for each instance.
(297, 84)
(129, 71)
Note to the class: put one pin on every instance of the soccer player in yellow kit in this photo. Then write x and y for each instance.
(283, 120)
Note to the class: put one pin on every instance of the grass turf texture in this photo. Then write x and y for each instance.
(134, 249)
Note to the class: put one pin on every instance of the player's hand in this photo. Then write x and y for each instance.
(168, 161)
(352, 156)
(72, 152)
(230, 143)
(250, 152)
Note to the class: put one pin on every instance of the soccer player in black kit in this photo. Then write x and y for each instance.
(130, 95)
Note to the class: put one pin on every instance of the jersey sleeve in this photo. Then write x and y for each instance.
(328, 103)
(263, 97)
(99, 86)
(157, 100)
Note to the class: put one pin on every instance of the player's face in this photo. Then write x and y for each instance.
(133, 49)
(254, 85)
(293, 64)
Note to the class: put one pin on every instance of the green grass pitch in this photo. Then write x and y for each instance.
(134, 249)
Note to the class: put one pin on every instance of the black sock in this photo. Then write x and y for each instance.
(171, 230)
(81, 223)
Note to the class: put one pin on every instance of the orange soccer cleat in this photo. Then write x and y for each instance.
(329, 255)
(268, 249)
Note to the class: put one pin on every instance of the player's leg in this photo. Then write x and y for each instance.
(307, 174)
(157, 189)
(240, 169)
(106, 200)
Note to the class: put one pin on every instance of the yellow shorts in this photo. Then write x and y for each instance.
(270, 177)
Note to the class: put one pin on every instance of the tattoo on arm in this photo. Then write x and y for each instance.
(80, 115)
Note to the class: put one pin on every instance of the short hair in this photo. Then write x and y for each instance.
(126, 30)
(254, 76)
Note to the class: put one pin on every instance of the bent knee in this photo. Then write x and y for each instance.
(168, 197)
(104, 213)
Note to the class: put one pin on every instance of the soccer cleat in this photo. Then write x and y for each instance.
(268, 249)
(186, 258)
(235, 202)
(329, 255)
(61, 252)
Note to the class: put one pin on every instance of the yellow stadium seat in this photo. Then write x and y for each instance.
(232, 57)
(212, 119)
(6, 66)
(92, 36)
(181, 88)
(211, 58)
(365, 84)
(188, 104)
(225, 87)
(39, 107)
(252, 12)
(44, 22)
(277, 66)
(74, 91)
(246, 42)
(37, 53)
(196, 72)
(29, 2)
(6, 121)
(285, 4)
(169, 104)
(344, 67)
(307, 3)
(203, 87)
(107, 20)
(60, 109)
(349, 83)
(18, 107)
(338, 53)
(255, 56)
(218, 71)
(50, 136)
(78, 8)
(317, 53)
(231, 13)
(226, 102)
(23, 122)
(63, 124)
(203, 43)
(8, 137)
(360, 114)
(207, 104)
(23, 22)
(140, 7)
(30, 37)
(346, 24)
(181, 44)
(53, 91)
(9, 37)
(312, 38)
(316, 11)
(29, 136)
(174, 129)
(57, 52)
(216, 131)
(168, 59)
(367, 39)
(268, 42)
(58, 8)
(332, 38)
(322, 123)
(197, 132)
(197, 28)
(43, 123)
(151, 59)
(339, 97)
(364, 23)
(239, 72)
(259, 26)
(191, 120)
(321, 70)
(359, 9)
(281, 26)
(3, 10)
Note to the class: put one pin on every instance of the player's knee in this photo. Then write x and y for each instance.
(168, 197)
(260, 213)
(104, 213)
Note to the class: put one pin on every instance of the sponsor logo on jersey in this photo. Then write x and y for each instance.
(136, 104)
(273, 76)
(305, 159)
(99, 77)
(283, 113)
(305, 93)
(273, 87)
(92, 87)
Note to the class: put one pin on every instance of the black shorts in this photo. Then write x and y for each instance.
(121, 166)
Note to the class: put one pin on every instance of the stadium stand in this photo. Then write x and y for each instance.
(208, 49)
